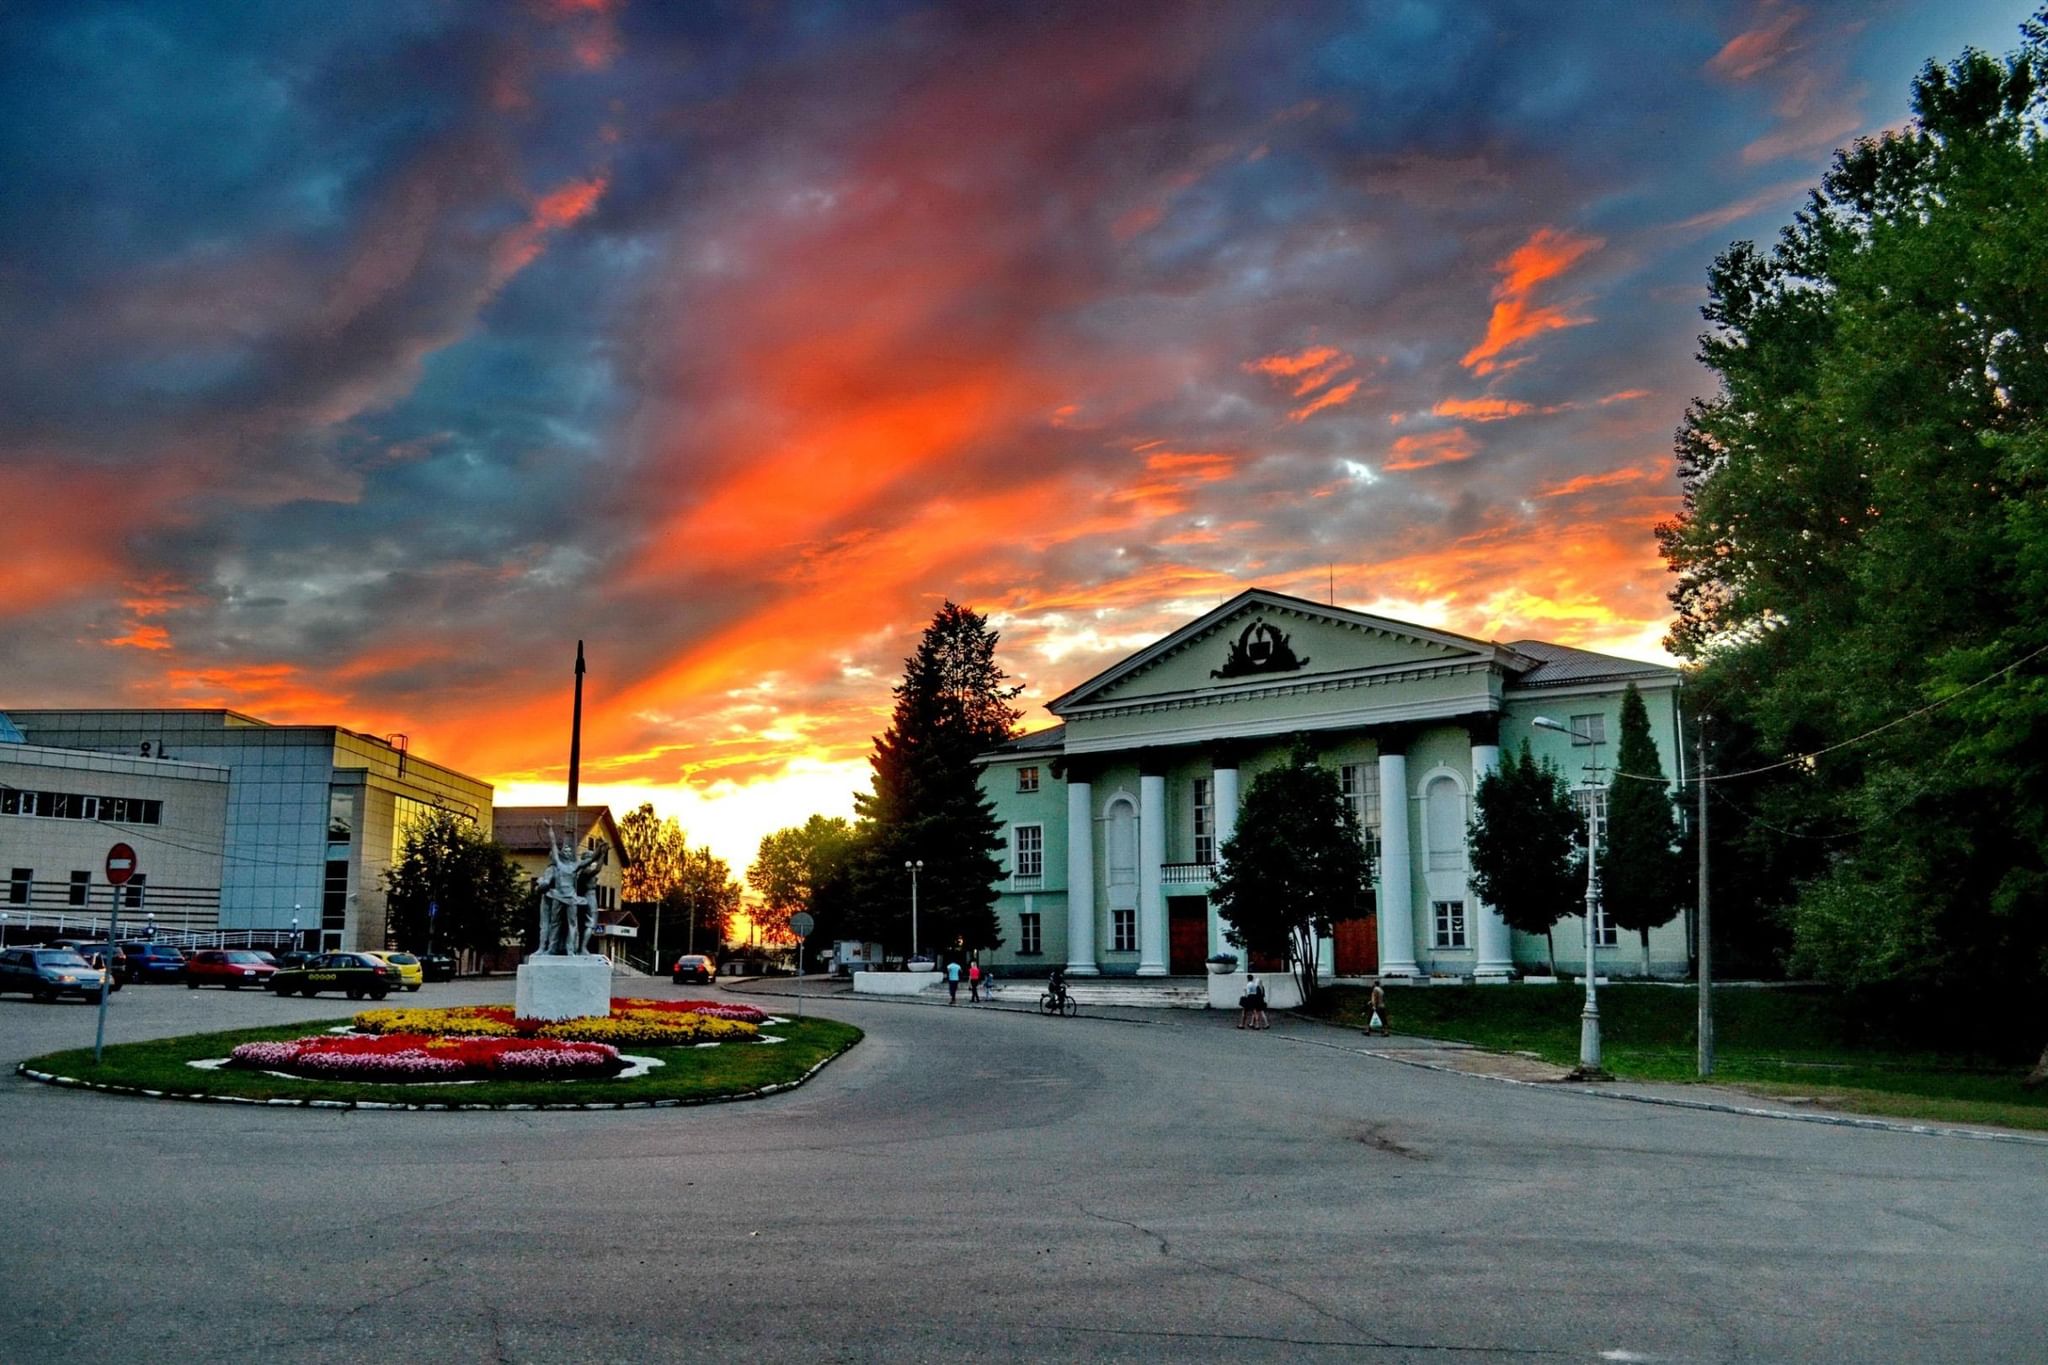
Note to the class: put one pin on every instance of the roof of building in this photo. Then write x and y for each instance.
(1562, 665)
(523, 829)
(1052, 738)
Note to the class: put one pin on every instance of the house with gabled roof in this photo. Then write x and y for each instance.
(1115, 815)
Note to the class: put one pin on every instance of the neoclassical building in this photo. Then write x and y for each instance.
(1115, 816)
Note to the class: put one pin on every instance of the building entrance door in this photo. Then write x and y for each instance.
(1187, 927)
(1358, 946)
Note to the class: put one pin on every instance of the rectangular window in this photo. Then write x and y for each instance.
(136, 884)
(1596, 797)
(1027, 779)
(334, 897)
(1604, 933)
(1030, 851)
(18, 885)
(1205, 819)
(60, 806)
(10, 801)
(1589, 729)
(1123, 931)
(1450, 923)
(341, 816)
(1361, 785)
(81, 886)
(91, 809)
(1027, 934)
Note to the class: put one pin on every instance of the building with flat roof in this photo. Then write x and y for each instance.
(312, 815)
(1115, 818)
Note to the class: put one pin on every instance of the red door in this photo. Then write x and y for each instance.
(1187, 934)
(1358, 946)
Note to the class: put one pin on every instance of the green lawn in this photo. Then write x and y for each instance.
(1782, 1042)
(688, 1074)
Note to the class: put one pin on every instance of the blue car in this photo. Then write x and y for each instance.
(154, 962)
(47, 973)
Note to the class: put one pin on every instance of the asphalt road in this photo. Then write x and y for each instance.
(988, 1185)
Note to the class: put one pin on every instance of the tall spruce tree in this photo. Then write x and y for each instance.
(1863, 539)
(1643, 875)
(1524, 846)
(926, 802)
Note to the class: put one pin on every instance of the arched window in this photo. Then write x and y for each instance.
(1444, 815)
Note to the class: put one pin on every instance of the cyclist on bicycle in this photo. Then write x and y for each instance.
(1057, 983)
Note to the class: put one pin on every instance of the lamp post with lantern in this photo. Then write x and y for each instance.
(1589, 1017)
(913, 867)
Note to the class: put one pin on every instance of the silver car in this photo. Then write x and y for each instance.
(47, 973)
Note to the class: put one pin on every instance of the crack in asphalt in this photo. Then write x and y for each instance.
(1166, 1249)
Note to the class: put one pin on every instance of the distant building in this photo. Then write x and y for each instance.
(309, 816)
(1115, 819)
(523, 832)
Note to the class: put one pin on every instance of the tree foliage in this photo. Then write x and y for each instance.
(473, 887)
(1524, 845)
(1865, 534)
(926, 802)
(1295, 865)
(684, 897)
(1643, 875)
(797, 868)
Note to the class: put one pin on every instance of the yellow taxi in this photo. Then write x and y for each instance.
(410, 974)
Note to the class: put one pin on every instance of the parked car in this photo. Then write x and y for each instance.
(47, 973)
(233, 968)
(405, 964)
(693, 967)
(437, 966)
(358, 974)
(154, 961)
(295, 959)
(95, 955)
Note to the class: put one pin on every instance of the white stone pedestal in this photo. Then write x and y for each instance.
(564, 987)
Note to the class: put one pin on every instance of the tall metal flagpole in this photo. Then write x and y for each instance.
(576, 729)
(572, 827)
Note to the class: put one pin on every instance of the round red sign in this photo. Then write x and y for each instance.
(120, 864)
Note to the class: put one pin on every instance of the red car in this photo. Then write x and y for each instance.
(230, 967)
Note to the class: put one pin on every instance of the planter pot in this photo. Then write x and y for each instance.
(1222, 968)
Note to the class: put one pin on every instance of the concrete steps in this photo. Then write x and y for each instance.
(1177, 993)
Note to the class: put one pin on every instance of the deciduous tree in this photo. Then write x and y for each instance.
(1526, 860)
(796, 868)
(452, 885)
(1295, 865)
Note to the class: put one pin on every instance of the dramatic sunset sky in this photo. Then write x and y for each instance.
(356, 359)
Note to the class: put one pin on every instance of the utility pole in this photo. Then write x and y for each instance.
(1706, 1025)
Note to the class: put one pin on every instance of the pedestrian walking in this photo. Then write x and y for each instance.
(1260, 1019)
(953, 982)
(1376, 1022)
(1251, 1003)
(974, 983)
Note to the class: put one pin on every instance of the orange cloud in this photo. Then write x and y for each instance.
(1427, 448)
(1546, 255)
(1287, 366)
(1329, 398)
(1586, 482)
(1749, 54)
(143, 637)
(553, 211)
(1481, 409)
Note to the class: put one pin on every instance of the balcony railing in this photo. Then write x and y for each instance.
(1020, 882)
(1187, 874)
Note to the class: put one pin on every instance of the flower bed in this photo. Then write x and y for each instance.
(419, 1057)
(632, 1023)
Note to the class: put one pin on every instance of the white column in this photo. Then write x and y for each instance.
(1151, 890)
(1226, 825)
(1397, 904)
(1494, 960)
(1080, 880)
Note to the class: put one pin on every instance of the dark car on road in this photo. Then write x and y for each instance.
(693, 967)
(47, 973)
(357, 974)
(154, 961)
(233, 968)
(437, 966)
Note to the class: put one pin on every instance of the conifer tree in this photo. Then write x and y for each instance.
(1643, 877)
(926, 802)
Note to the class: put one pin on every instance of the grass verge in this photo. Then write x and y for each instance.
(1789, 1044)
(688, 1075)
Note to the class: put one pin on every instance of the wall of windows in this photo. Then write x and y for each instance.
(114, 810)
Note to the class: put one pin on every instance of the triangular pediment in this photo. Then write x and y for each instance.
(1260, 638)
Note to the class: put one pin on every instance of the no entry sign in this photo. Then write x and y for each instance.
(120, 864)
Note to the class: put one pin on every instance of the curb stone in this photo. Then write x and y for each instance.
(1704, 1106)
(425, 1106)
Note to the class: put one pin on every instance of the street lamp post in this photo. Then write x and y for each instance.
(1589, 1017)
(913, 867)
(296, 945)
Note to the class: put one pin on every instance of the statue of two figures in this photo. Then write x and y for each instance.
(568, 900)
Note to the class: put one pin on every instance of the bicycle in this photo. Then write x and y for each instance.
(1058, 1000)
